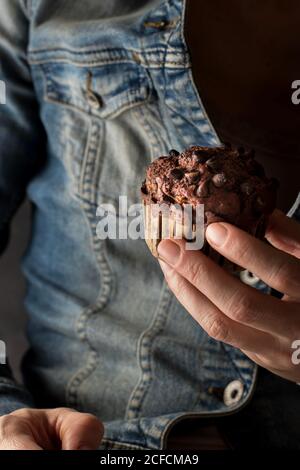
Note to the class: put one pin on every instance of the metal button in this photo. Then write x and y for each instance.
(248, 278)
(233, 393)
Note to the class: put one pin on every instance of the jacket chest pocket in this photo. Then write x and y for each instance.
(93, 127)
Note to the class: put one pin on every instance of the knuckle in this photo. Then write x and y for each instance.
(8, 425)
(61, 412)
(286, 276)
(24, 413)
(91, 420)
(240, 249)
(195, 271)
(242, 308)
(217, 329)
(64, 409)
(281, 275)
(178, 283)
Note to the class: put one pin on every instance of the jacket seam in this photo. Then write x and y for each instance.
(144, 353)
(112, 55)
(86, 190)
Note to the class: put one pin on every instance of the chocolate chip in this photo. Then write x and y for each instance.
(153, 187)
(167, 198)
(144, 187)
(200, 156)
(219, 179)
(177, 173)
(247, 188)
(213, 163)
(241, 150)
(174, 153)
(193, 177)
(202, 190)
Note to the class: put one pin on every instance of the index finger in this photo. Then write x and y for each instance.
(277, 269)
(284, 233)
(239, 302)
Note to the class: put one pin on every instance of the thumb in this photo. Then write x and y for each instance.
(77, 431)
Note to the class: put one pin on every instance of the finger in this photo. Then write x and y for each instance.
(213, 321)
(276, 268)
(241, 303)
(284, 233)
(19, 442)
(16, 434)
(289, 372)
(77, 431)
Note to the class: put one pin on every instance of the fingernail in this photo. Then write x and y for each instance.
(216, 233)
(168, 251)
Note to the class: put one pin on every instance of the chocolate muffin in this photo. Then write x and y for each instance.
(228, 181)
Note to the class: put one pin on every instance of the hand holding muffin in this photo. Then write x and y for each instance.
(239, 201)
(262, 326)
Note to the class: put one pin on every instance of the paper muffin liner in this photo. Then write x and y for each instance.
(163, 224)
(164, 221)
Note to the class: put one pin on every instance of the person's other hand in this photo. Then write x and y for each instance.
(265, 328)
(53, 429)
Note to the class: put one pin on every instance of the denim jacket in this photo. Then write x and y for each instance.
(95, 90)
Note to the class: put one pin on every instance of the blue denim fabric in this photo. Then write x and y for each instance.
(96, 90)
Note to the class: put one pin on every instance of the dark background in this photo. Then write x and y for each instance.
(12, 289)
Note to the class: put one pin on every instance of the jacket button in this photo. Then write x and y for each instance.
(233, 393)
(248, 278)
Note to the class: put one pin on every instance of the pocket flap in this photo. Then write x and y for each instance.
(104, 91)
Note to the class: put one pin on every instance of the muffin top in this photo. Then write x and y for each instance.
(229, 182)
